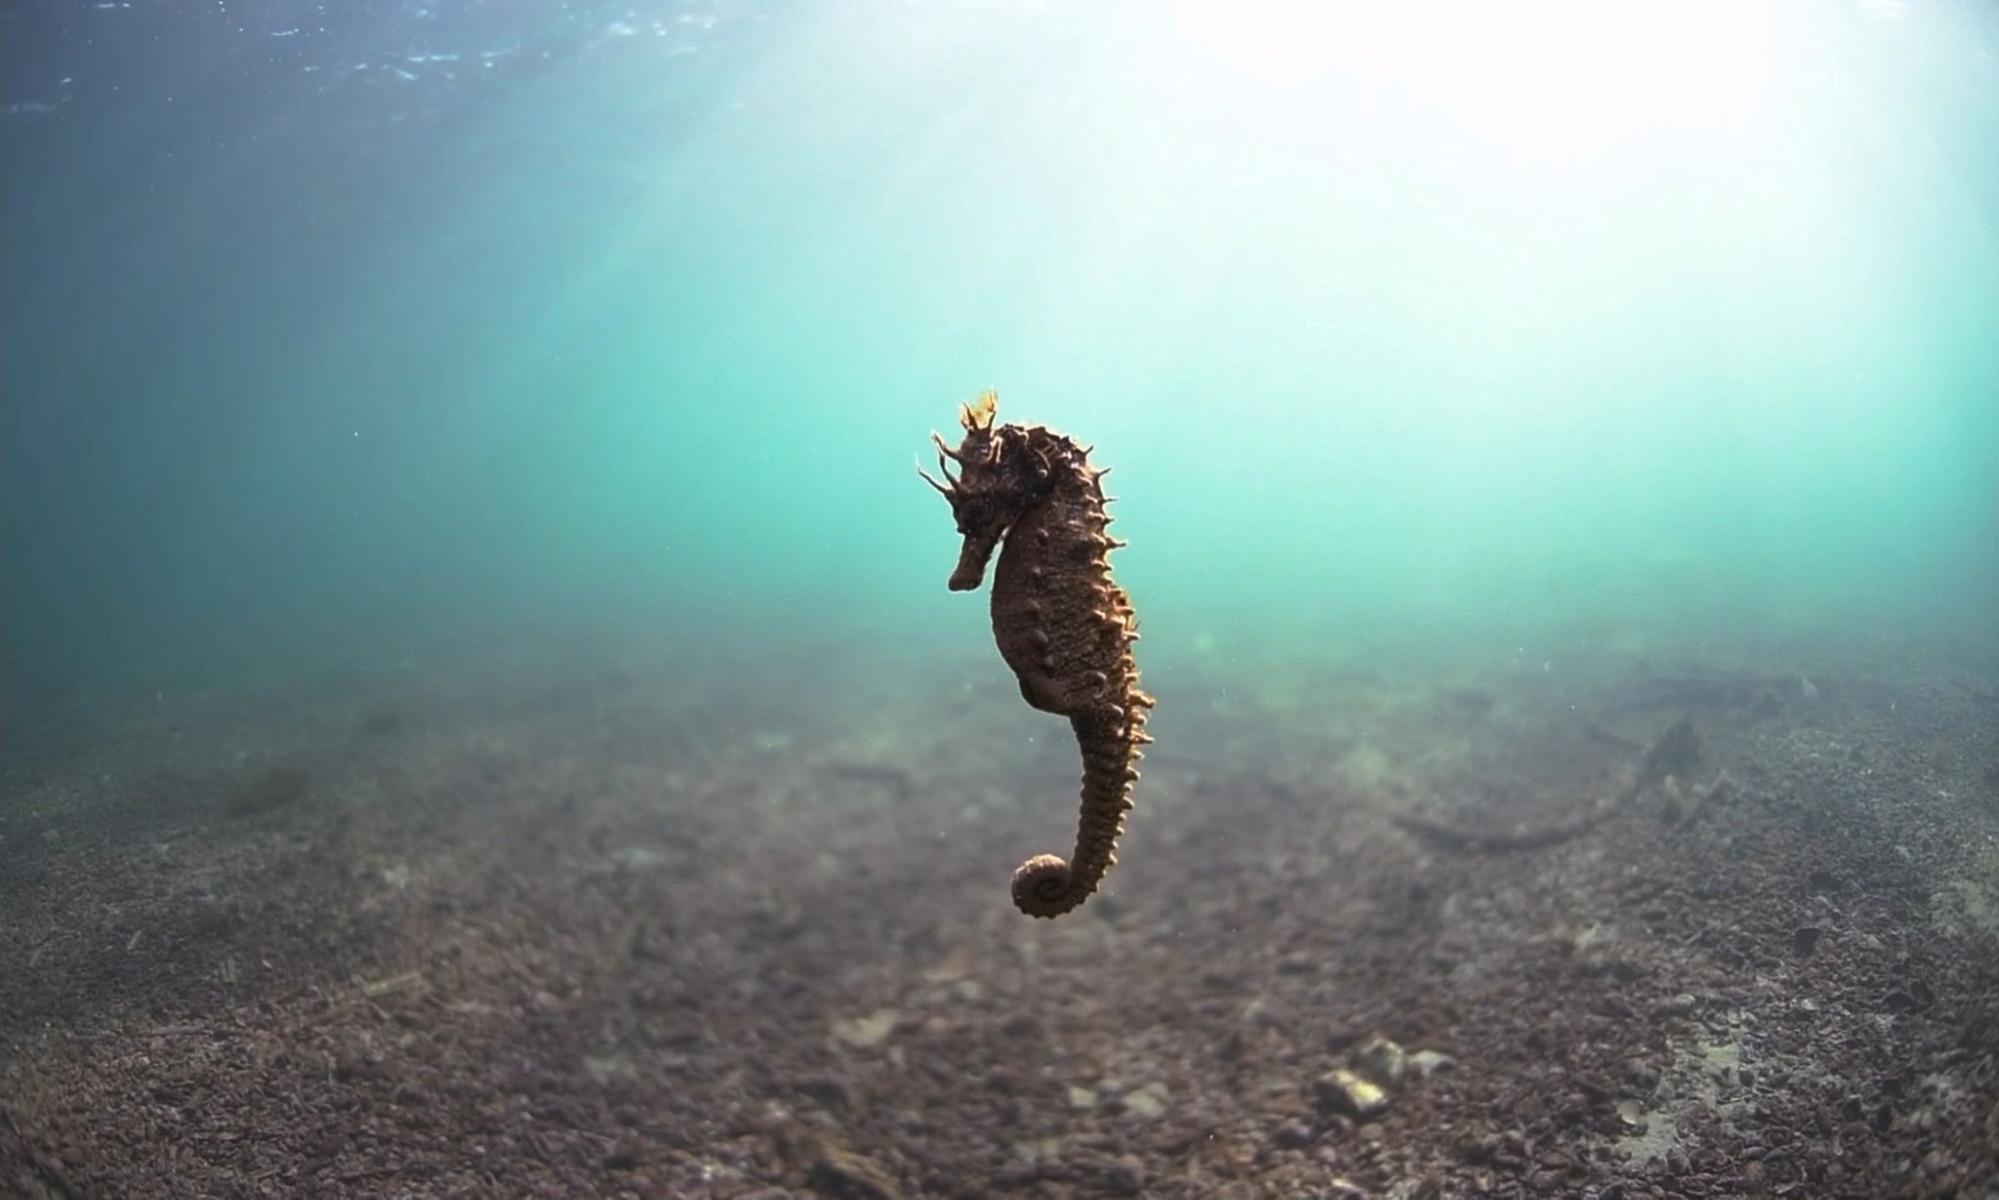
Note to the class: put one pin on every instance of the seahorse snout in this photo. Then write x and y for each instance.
(971, 572)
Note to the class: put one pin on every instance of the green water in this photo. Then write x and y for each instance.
(414, 332)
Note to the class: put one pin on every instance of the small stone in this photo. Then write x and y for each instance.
(841, 1172)
(830, 1092)
(1805, 940)
(1900, 1000)
(871, 1030)
(1623, 970)
(1339, 1039)
(1294, 1136)
(1122, 1176)
(1145, 1102)
(1428, 1062)
(1382, 1062)
(1081, 1097)
(1682, 1005)
(1342, 1091)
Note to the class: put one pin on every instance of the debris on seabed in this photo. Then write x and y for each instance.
(393, 983)
(870, 1030)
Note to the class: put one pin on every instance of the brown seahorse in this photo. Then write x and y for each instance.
(1063, 625)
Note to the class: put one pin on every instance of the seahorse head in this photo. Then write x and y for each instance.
(999, 479)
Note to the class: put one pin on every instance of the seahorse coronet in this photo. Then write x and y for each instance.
(1061, 621)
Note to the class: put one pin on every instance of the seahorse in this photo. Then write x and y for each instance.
(1063, 625)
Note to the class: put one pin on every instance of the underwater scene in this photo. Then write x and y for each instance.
(872, 600)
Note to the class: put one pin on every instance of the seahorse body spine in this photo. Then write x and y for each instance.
(1067, 629)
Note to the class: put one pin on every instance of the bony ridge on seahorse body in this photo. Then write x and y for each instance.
(1063, 625)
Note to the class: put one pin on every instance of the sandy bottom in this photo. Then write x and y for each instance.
(620, 935)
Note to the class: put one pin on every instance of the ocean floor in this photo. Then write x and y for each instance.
(624, 932)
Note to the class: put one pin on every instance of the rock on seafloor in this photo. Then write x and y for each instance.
(1347, 1093)
(1382, 1062)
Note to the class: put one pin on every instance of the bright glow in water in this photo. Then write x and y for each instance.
(1501, 320)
